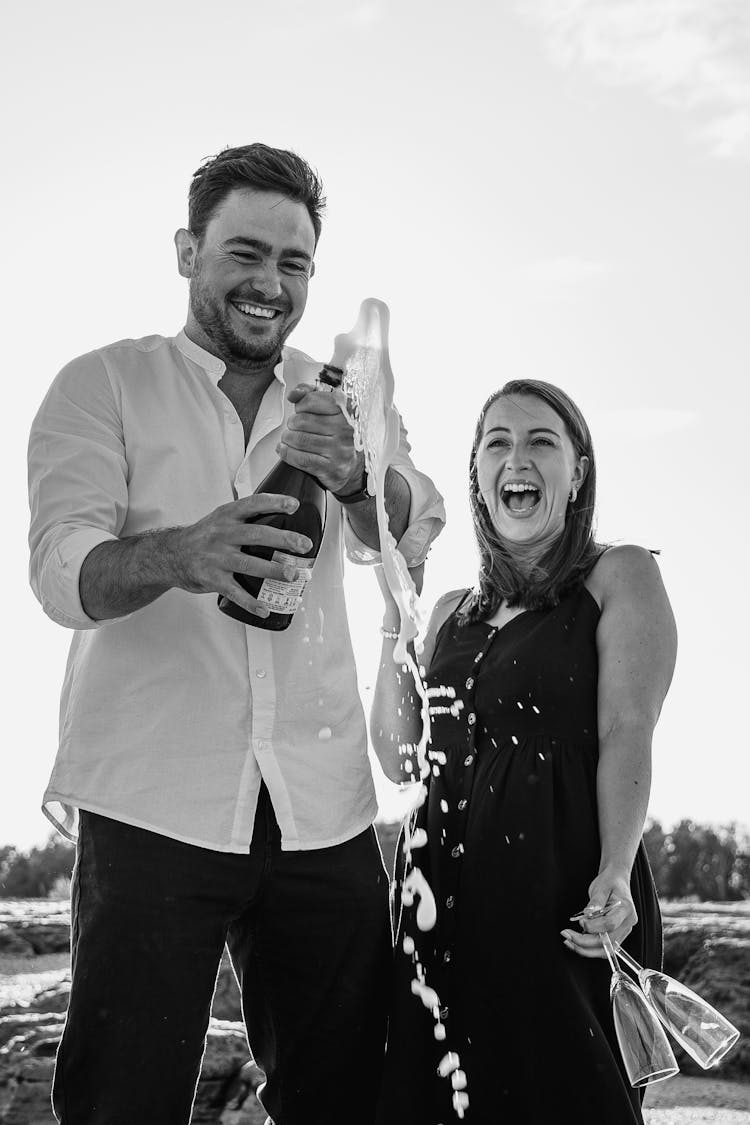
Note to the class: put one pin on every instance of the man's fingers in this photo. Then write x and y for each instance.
(300, 391)
(327, 425)
(233, 592)
(261, 535)
(260, 502)
(308, 441)
(254, 567)
(309, 401)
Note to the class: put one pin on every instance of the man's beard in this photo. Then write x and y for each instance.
(234, 349)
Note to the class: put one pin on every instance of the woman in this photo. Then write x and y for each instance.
(545, 684)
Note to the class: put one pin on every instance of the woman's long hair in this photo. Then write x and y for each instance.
(568, 561)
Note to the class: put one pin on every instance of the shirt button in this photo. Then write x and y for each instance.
(455, 852)
(469, 684)
(444, 1013)
(450, 902)
(261, 673)
(462, 804)
(447, 956)
(261, 744)
(471, 718)
(468, 760)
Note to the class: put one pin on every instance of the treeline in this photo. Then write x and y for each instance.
(40, 873)
(691, 860)
(699, 861)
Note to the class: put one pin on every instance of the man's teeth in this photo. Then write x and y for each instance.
(255, 310)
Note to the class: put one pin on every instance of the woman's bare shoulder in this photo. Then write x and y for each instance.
(622, 569)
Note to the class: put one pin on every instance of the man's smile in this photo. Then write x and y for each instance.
(262, 312)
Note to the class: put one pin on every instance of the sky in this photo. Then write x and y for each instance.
(547, 188)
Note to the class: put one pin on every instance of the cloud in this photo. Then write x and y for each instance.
(690, 54)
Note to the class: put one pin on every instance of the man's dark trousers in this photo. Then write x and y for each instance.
(310, 941)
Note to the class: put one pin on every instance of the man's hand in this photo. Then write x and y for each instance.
(121, 576)
(319, 439)
(210, 551)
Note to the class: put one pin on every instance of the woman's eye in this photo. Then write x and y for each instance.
(542, 441)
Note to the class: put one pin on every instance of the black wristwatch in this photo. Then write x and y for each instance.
(358, 496)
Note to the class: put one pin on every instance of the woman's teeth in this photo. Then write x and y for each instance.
(520, 497)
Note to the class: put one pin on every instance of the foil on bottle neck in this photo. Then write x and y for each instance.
(330, 376)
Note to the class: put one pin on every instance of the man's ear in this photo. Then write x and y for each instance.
(186, 245)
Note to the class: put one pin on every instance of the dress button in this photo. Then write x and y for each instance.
(471, 718)
(469, 683)
(447, 956)
(462, 804)
(444, 1012)
(468, 759)
(261, 673)
(455, 852)
(450, 902)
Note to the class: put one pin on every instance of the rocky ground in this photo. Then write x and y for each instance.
(706, 946)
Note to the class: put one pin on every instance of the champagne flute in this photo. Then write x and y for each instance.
(703, 1032)
(644, 1047)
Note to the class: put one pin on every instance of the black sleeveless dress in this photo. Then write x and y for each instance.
(512, 845)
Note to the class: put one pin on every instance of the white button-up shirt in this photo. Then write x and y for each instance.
(172, 715)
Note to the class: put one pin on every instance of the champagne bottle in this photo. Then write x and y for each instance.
(284, 598)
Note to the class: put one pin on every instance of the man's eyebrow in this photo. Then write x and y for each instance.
(267, 248)
(536, 430)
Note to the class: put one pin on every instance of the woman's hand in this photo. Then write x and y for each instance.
(609, 910)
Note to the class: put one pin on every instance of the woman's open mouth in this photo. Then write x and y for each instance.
(520, 498)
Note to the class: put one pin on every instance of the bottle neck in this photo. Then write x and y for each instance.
(330, 376)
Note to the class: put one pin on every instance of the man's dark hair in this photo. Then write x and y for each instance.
(259, 168)
(570, 559)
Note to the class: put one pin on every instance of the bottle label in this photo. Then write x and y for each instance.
(285, 597)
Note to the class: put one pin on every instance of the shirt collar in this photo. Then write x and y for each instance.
(211, 364)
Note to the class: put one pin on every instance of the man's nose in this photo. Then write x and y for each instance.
(267, 281)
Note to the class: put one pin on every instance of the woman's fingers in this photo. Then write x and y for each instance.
(589, 944)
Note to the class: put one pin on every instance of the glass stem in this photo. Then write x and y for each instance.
(629, 961)
(609, 949)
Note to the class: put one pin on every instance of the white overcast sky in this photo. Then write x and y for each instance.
(554, 188)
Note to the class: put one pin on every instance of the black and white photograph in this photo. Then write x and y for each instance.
(374, 477)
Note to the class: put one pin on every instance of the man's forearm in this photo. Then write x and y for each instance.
(363, 517)
(123, 575)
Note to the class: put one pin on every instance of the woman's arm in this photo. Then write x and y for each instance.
(396, 714)
(637, 644)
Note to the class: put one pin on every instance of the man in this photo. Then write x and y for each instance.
(214, 774)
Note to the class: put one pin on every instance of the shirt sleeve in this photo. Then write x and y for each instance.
(78, 490)
(426, 514)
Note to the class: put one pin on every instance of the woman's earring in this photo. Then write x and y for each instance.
(573, 494)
